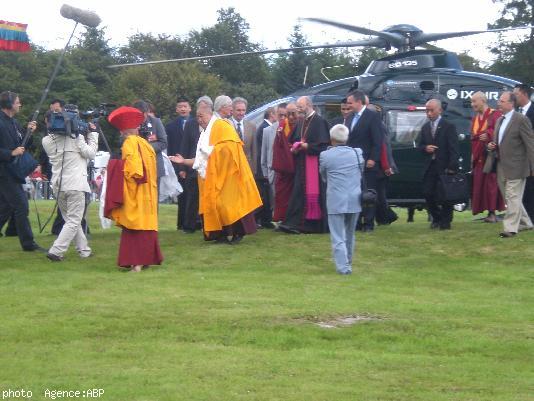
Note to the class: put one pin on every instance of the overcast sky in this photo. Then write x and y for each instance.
(271, 22)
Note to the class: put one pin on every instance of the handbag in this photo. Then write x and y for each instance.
(21, 167)
(453, 188)
(368, 197)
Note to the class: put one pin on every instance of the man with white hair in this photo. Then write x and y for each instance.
(223, 107)
(341, 169)
(306, 211)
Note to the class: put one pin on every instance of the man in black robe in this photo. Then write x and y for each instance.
(306, 211)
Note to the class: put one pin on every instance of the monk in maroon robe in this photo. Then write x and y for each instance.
(485, 192)
(283, 164)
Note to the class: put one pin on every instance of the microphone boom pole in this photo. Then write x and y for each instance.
(79, 16)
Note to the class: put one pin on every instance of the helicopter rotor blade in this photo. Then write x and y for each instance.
(394, 38)
(367, 42)
(430, 37)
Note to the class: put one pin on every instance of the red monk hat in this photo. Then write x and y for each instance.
(125, 118)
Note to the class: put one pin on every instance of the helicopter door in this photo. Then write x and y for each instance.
(404, 128)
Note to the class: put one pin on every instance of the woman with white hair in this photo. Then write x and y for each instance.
(341, 169)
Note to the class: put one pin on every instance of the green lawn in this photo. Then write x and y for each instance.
(455, 317)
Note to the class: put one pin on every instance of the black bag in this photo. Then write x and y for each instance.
(368, 195)
(21, 167)
(453, 188)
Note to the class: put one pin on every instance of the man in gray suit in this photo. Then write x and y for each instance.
(513, 152)
(341, 168)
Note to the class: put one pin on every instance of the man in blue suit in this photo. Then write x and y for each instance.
(341, 168)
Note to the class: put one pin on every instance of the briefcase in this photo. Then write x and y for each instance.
(453, 188)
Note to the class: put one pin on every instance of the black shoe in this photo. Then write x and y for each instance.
(507, 234)
(236, 239)
(36, 248)
(288, 229)
(368, 229)
(54, 258)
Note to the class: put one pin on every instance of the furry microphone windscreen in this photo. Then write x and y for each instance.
(84, 17)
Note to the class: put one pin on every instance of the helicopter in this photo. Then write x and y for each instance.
(398, 85)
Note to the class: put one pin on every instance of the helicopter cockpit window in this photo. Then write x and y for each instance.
(405, 126)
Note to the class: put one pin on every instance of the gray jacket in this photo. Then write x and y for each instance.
(160, 144)
(342, 173)
(269, 134)
(70, 171)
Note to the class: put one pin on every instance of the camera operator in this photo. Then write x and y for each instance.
(153, 130)
(13, 199)
(69, 153)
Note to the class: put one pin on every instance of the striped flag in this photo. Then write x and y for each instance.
(13, 37)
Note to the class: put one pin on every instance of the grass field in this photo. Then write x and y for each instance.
(453, 317)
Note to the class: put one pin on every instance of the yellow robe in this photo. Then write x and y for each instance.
(140, 208)
(229, 191)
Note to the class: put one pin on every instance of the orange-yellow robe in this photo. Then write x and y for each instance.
(229, 192)
(139, 210)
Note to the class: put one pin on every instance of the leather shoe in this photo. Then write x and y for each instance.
(507, 234)
(288, 229)
(36, 248)
(54, 258)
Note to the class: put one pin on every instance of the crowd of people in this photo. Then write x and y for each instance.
(295, 172)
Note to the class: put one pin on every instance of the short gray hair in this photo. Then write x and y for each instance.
(222, 101)
(239, 100)
(205, 100)
(339, 133)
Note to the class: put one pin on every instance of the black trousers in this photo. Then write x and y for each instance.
(528, 197)
(191, 219)
(441, 212)
(264, 215)
(181, 204)
(13, 200)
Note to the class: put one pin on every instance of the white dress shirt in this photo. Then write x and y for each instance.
(505, 122)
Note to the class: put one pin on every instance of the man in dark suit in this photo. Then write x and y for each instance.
(175, 133)
(439, 144)
(345, 110)
(513, 152)
(522, 94)
(366, 134)
(13, 199)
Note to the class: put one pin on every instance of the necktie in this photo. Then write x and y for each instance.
(501, 130)
(354, 121)
(433, 129)
(239, 130)
(521, 110)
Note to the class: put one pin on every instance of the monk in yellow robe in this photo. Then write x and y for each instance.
(228, 195)
(138, 212)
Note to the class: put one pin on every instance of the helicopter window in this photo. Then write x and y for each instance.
(405, 126)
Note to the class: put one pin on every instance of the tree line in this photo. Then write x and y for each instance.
(86, 80)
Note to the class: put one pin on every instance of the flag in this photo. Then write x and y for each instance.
(13, 37)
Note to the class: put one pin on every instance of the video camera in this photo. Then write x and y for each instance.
(71, 122)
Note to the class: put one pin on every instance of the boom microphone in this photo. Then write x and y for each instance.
(84, 17)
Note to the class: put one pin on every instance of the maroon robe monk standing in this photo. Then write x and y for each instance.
(284, 169)
(486, 194)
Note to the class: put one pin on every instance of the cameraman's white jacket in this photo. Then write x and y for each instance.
(70, 172)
